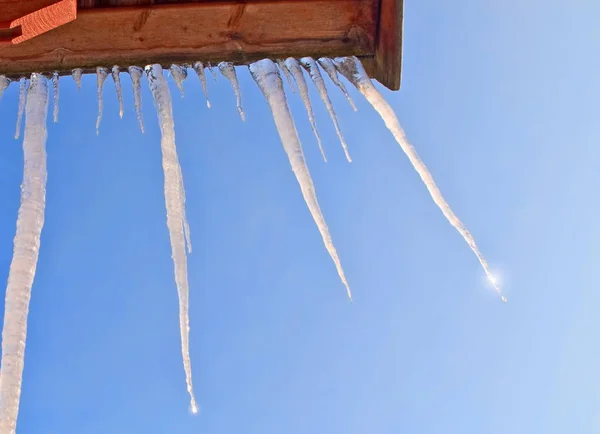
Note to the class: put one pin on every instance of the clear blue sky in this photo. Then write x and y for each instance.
(502, 100)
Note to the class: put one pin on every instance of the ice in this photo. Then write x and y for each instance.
(212, 71)
(175, 204)
(288, 77)
(313, 70)
(101, 74)
(179, 74)
(199, 68)
(353, 70)
(228, 70)
(21, 110)
(4, 83)
(329, 67)
(76, 74)
(267, 77)
(55, 94)
(294, 68)
(135, 72)
(25, 254)
(116, 71)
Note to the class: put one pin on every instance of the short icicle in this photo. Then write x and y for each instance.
(135, 72)
(77, 73)
(199, 68)
(329, 67)
(267, 77)
(294, 68)
(21, 110)
(285, 71)
(55, 95)
(353, 70)
(101, 74)
(212, 71)
(179, 74)
(116, 76)
(4, 83)
(175, 204)
(313, 70)
(228, 71)
(25, 254)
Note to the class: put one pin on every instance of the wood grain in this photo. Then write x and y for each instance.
(140, 32)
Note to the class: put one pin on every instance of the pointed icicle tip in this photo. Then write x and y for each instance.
(179, 74)
(228, 71)
(199, 68)
(135, 72)
(101, 74)
(266, 76)
(77, 74)
(313, 70)
(116, 71)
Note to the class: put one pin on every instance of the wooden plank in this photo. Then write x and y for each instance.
(386, 66)
(208, 31)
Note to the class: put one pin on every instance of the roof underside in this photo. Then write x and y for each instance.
(139, 32)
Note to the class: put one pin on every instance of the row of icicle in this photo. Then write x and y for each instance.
(33, 103)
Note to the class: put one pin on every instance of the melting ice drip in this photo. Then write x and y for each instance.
(33, 103)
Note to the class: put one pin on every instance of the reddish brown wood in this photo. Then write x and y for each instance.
(45, 19)
(109, 32)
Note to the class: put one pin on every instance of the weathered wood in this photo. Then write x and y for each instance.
(115, 32)
(388, 51)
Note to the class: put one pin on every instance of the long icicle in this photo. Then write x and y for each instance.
(267, 77)
(4, 83)
(25, 254)
(285, 71)
(294, 68)
(135, 72)
(76, 74)
(179, 74)
(101, 74)
(329, 67)
(353, 70)
(116, 76)
(199, 68)
(313, 70)
(55, 95)
(175, 210)
(228, 71)
(21, 110)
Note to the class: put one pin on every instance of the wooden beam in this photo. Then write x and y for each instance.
(208, 31)
(139, 32)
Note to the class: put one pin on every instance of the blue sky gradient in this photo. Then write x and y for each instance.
(502, 101)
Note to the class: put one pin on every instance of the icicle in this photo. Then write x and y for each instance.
(212, 71)
(76, 74)
(135, 72)
(267, 77)
(329, 67)
(353, 70)
(313, 70)
(101, 74)
(21, 109)
(4, 83)
(55, 92)
(175, 203)
(179, 74)
(199, 68)
(25, 254)
(116, 71)
(228, 70)
(288, 77)
(293, 67)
